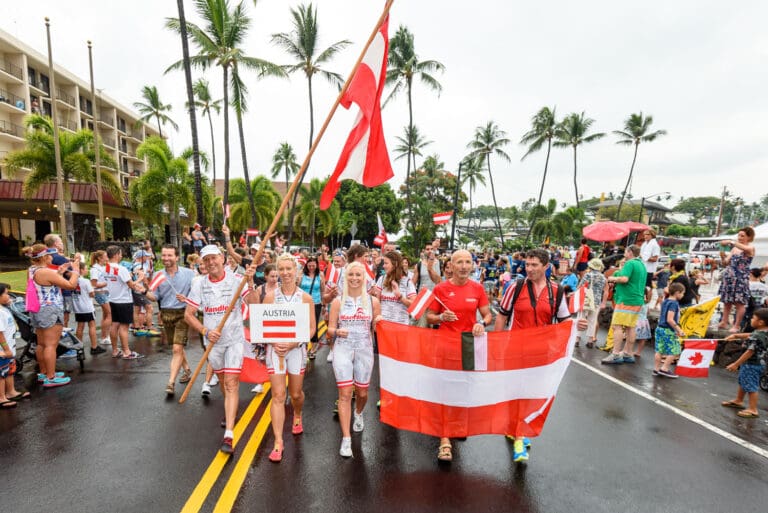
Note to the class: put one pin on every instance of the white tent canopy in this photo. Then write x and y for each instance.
(761, 245)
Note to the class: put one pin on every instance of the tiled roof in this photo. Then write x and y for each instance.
(81, 193)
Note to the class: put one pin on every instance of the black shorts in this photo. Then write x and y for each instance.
(84, 317)
(122, 313)
(581, 266)
(139, 299)
(649, 280)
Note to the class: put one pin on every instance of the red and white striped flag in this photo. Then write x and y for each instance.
(576, 301)
(371, 274)
(381, 238)
(695, 359)
(442, 217)
(252, 232)
(332, 275)
(253, 370)
(364, 158)
(420, 303)
(227, 212)
(454, 385)
(157, 280)
(279, 329)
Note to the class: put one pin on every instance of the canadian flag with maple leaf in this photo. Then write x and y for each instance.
(696, 358)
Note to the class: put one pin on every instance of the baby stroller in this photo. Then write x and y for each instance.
(68, 339)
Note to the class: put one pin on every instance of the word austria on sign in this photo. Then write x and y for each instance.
(282, 323)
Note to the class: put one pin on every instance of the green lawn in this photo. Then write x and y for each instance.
(16, 279)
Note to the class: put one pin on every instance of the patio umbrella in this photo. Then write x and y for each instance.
(605, 231)
(634, 226)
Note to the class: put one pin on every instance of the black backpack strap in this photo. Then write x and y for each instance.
(558, 301)
(515, 295)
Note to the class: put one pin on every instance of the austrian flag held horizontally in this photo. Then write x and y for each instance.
(364, 158)
(442, 217)
(455, 385)
(157, 280)
(420, 303)
(695, 359)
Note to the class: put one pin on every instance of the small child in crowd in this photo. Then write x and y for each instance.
(662, 279)
(8, 394)
(82, 300)
(749, 365)
(668, 333)
(643, 328)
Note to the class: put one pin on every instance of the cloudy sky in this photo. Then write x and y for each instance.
(699, 67)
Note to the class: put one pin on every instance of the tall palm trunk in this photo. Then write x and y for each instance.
(575, 184)
(226, 134)
(244, 158)
(159, 128)
(213, 149)
(629, 180)
(69, 218)
(495, 206)
(541, 190)
(192, 116)
(173, 224)
(301, 180)
(411, 221)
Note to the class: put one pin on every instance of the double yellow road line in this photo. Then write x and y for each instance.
(237, 477)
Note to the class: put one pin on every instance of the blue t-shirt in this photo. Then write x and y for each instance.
(311, 287)
(669, 305)
(570, 281)
(491, 272)
(59, 260)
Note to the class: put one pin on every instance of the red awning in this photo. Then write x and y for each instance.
(81, 193)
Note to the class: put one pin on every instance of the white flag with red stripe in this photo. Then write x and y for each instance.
(442, 217)
(157, 280)
(364, 158)
(332, 275)
(451, 384)
(227, 212)
(252, 232)
(420, 303)
(371, 274)
(381, 238)
(696, 357)
(576, 301)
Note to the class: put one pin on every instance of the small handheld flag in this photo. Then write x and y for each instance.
(227, 212)
(576, 301)
(420, 303)
(252, 232)
(695, 358)
(332, 275)
(442, 217)
(157, 280)
(381, 238)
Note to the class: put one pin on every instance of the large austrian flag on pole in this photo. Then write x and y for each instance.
(442, 217)
(364, 157)
(451, 384)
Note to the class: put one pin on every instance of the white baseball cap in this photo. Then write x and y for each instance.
(210, 249)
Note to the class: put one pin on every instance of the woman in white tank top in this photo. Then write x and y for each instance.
(294, 357)
(352, 318)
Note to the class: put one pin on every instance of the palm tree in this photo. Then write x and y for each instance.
(540, 220)
(191, 109)
(403, 65)
(164, 186)
(218, 41)
(284, 160)
(152, 107)
(543, 126)
(77, 160)
(635, 131)
(411, 144)
(572, 131)
(472, 168)
(266, 199)
(309, 213)
(490, 139)
(206, 104)
(302, 44)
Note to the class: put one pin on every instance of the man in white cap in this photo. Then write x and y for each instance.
(212, 294)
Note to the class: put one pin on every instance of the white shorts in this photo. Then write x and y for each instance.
(226, 359)
(352, 366)
(295, 360)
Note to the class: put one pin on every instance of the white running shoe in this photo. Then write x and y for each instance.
(346, 447)
(206, 389)
(257, 389)
(214, 380)
(106, 342)
(330, 356)
(358, 424)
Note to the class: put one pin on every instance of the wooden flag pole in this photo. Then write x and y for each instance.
(288, 195)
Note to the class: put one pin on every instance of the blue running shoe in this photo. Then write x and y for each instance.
(519, 451)
(41, 377)
(56, 382)
(527, 442)
(628, 358)
(68, 355)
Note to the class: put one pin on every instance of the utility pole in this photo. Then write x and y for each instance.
(720, 215)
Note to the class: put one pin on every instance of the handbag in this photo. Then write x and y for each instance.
(31, 301)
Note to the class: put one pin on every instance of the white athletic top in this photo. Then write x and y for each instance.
(354, 318)
(213, 298)
(81, 297)
(281, 298)
(117, 278)
(392, 309)
(97, 273)
(8, 327)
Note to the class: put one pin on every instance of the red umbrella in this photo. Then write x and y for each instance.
(634, 226)
(605, 231)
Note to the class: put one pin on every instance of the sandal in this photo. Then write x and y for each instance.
(732, 404)
(276, 455)
(444, 453)
(170, 389)
(23, 395)
(746, 414)
(133, 355)
(7, 405)
(186, 376)
(118, 354)
(297, 428)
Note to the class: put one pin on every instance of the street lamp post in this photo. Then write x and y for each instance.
(642, 204)
(96, 147)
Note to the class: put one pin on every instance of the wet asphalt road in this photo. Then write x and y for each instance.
(112, 442)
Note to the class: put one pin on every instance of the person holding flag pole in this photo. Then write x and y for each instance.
(356, 89)
(456, 304)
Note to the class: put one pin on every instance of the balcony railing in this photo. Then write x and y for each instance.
(69, 125)
(66, 98)
(136, 134)
(11, 128)
(107, 118)
(12, 99)
(108, 141)
(39, 84)
(11, 69)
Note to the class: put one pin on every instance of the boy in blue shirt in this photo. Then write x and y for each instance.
(749, 366)
(668, 333)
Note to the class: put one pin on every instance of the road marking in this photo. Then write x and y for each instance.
(211, 475)
(725, 434)
(232, 489)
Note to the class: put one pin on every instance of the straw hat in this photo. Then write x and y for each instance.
(596, 264)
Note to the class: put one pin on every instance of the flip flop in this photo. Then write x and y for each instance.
(7, 405)
(276, 455)
(444, 453)
(23, 395)
(133, 355)
(732, 404)
(744, 414)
